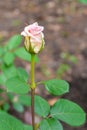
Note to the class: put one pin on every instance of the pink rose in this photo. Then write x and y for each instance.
(34, 38)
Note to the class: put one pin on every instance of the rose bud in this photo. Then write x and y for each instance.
(34, 38)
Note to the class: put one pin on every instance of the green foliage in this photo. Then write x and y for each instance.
(83, 1)
(50, 124)
(2, 79)
(6, 107)
(8, 122)
(12, 50)
(22, 74)
(19, 101)
(73, 59)
(27, 127)
(1, 90)
(9, 71)
(15, 80)
(11, 96)
(1, 51)
(17, 85)
(24, 100)
(14, 42)
(23, 54)
(18, 107)
(62, 69)
(45, 71)
(69, 57)
(7, 51)
(8, 58)
(68, 61)
(68, 112)
(56, 86)
(19, 72)
(42, 107)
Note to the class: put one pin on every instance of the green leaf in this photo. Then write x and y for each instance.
(9, 71)
(18, 107)
(22, 74)
(83, 1)
(69, 112)
(8, 58)
(42, 107)
(73, 59)
(62, 69)
(1, 90)
(14, 42)
(2, 79)
(50, 124)
(6, 107)
(1, 51)
(10, 96)
(56, 86)
(23, 54)
(17, 86)
(28, 127)
(24, 100)
(7, 122)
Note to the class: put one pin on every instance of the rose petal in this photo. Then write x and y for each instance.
(34, 32)
(42, 35)
(23, 33)
(36, 24)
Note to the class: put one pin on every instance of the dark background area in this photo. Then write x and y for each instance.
(65, 23)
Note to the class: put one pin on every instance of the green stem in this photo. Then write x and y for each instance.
(33, 86)
(32, 108)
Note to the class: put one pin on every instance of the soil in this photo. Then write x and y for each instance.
(65, 25)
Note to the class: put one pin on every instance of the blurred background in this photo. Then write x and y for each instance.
(65, 52)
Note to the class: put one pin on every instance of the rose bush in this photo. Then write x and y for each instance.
(34, 38)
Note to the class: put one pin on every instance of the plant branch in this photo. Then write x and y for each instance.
(33, 86)
(32, 108)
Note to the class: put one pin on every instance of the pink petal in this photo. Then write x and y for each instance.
(36, 24)
(23, 33)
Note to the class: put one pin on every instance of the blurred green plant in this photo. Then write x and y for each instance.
(15, 80)
(83, 1)
(8, 53)
(45, 71)
(16, 23)
(66, 66)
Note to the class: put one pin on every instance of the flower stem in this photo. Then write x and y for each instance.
(32, 108)
(33, 86)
